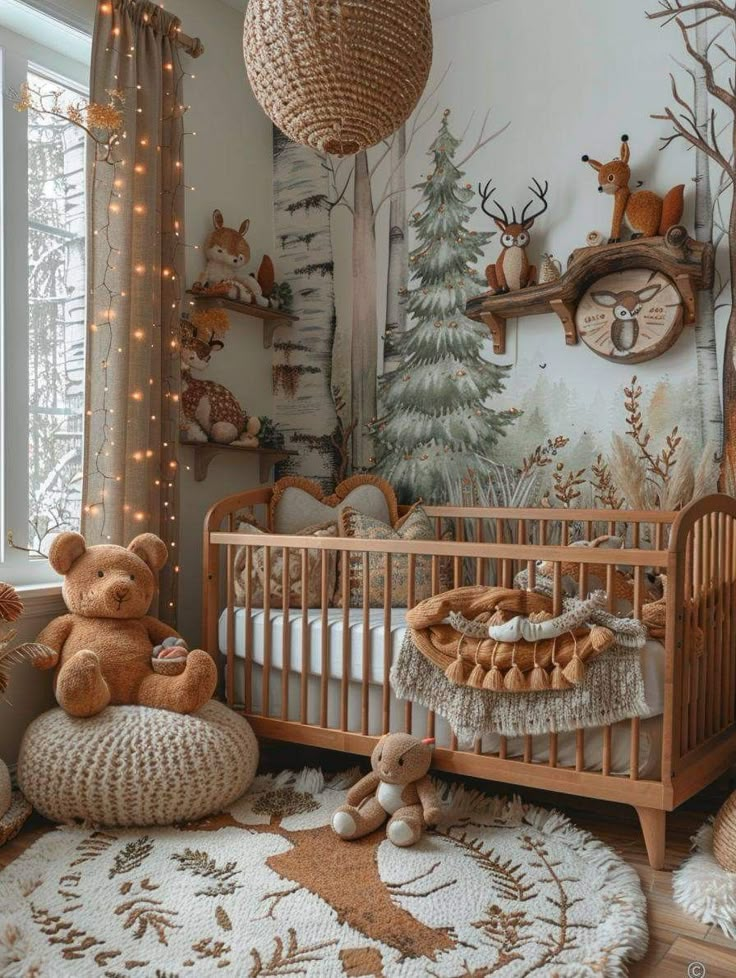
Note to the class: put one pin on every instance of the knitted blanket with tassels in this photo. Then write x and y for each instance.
(611, 690)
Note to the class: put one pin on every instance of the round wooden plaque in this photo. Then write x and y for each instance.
(630, 316)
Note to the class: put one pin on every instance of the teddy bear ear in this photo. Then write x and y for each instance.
(150, 549)
(65, 549)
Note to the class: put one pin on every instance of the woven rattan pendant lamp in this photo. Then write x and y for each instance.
(338, 75)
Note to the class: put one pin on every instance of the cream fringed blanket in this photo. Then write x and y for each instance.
(611, 690)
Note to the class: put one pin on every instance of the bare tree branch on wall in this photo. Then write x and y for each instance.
(701, 127)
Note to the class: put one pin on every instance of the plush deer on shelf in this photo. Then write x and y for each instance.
(645, 213)
(210, 411)
(512, 270)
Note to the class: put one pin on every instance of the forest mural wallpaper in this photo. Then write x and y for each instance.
(384, 372)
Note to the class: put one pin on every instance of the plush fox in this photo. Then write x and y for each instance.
(644, 212)
(228, 256)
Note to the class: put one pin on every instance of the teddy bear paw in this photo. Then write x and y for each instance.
(403, 832)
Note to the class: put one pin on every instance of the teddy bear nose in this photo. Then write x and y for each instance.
(121, 592)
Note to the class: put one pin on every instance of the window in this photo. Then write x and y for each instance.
(43, 296)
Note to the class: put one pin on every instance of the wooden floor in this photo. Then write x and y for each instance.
(677, 941)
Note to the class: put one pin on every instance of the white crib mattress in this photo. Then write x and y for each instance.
(652, 655)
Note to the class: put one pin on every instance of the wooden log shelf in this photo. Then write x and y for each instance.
(689, 263)
(204, 452)
(271, 318)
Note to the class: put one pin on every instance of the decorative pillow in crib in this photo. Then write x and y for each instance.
(416, 525)
(298, 502)
(274, 584)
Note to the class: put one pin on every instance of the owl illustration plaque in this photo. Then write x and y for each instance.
(630, 316)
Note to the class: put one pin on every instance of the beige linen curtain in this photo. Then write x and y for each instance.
(135, 273)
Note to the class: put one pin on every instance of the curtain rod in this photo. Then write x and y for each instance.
(192, 45)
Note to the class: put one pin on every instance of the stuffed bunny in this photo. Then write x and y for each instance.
(228, 255)
(398, 788)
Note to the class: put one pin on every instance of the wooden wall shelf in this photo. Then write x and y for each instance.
(689, 263)
(204, 452)
(271, 318)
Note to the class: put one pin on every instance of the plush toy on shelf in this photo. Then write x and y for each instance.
(210, 412)
(103, 649)
(512, 270)
(647, 214)
(226, 273)
(398, 788)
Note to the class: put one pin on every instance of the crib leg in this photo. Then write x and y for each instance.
(654, 829)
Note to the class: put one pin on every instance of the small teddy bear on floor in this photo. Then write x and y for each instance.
(398, 787)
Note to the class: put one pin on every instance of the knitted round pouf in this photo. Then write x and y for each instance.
(6, 790)
(724, 835)
(134, 766)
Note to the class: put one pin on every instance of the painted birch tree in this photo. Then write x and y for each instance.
(700, 124)
(397, 280)
(303, 352)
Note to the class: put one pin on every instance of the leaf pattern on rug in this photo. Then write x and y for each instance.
(131, 856)
(75, 941)
(142, 913)
(287, 959)
(93, 846)
(208, 947)
(200, 864)
(509, 878)
(222, 918)
(284, 802)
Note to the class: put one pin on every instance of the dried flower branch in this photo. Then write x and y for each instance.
(605, 490)
(659, 466)
(566, 487)
(543, 455)
(102, 123)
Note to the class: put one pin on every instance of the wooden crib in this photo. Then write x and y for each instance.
(696, 548)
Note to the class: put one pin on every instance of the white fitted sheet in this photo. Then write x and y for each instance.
(652, 658)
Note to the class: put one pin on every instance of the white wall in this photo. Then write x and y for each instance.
(229, 164)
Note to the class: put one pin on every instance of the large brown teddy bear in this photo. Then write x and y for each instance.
(104, 646)
(398, 788)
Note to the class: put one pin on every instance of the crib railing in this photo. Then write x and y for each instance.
(695, 549)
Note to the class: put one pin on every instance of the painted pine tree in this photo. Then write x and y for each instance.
(436, 423)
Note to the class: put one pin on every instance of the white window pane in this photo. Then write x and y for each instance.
(56, 317)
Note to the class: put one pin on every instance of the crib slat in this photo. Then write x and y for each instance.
(344, 690)
(366, 675)
(695, 616)
(687, 648)
(285, 634)
(528, 749)
(479, 569)
(557, 588)
(230, 667)
(503, 748)
(607, 745)
(702, 602)
(634, 755)
(410, 602)
(729, 639)
(306, 638)
(553, 744)
(248, 662)
(387, 600)
(580, 750)
(714, 713)
(324, 599)
(718, 522)
(267, 633)
(457, 563)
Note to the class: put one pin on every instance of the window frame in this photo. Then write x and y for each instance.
(18, 55)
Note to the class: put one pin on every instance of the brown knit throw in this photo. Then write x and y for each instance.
(481, 663)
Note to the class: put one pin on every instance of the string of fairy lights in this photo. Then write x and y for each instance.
(106, 294)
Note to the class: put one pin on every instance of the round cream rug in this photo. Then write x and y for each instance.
(268, 890)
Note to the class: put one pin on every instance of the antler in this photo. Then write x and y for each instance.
(541, 194)
(485, 194)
